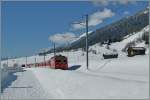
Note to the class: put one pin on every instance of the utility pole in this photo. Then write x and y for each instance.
(26, 60)
(44, 60)
(87, 56)
(7, 61)
(35, 62)
(68, 48)
(54, 50)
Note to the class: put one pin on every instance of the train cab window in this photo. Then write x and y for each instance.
(58, 61)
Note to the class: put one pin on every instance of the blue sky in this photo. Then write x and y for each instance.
(26, 26)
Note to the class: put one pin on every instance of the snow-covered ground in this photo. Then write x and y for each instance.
(124, 78)
(120, 78)
(23, 86)
(115, 78)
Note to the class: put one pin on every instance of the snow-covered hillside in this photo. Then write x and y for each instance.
(135, 38)
(81, 36)
(123, 77)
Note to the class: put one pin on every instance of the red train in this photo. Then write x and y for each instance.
(56, 62)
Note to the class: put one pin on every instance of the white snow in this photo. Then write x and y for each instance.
(145, 12)
(24, 85)
(108, 81)
(81, 36)
(111, 52)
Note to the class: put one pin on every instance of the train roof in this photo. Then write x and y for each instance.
(58, 56)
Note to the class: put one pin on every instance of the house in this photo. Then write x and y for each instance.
(132, 51)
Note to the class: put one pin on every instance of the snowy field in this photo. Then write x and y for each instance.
(128, 80)
(120, 78)
(108, 80)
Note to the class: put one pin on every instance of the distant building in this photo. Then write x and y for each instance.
(146, 37)
(132, 51)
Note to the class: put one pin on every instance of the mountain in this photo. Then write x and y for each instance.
(117, 30)
(114, 32)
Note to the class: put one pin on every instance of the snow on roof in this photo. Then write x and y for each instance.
(138, 48)
(110, 52)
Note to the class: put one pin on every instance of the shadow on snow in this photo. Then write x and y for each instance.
(74, 67)
(8, 81)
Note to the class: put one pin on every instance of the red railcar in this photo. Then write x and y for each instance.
(59, 62)
(56, 62)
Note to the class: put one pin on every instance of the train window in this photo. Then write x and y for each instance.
(57, 60)
(65, 61)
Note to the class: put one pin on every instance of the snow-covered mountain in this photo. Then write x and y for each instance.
(115, 31)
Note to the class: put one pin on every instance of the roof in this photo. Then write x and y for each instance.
(58, 56)
(137, 48)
